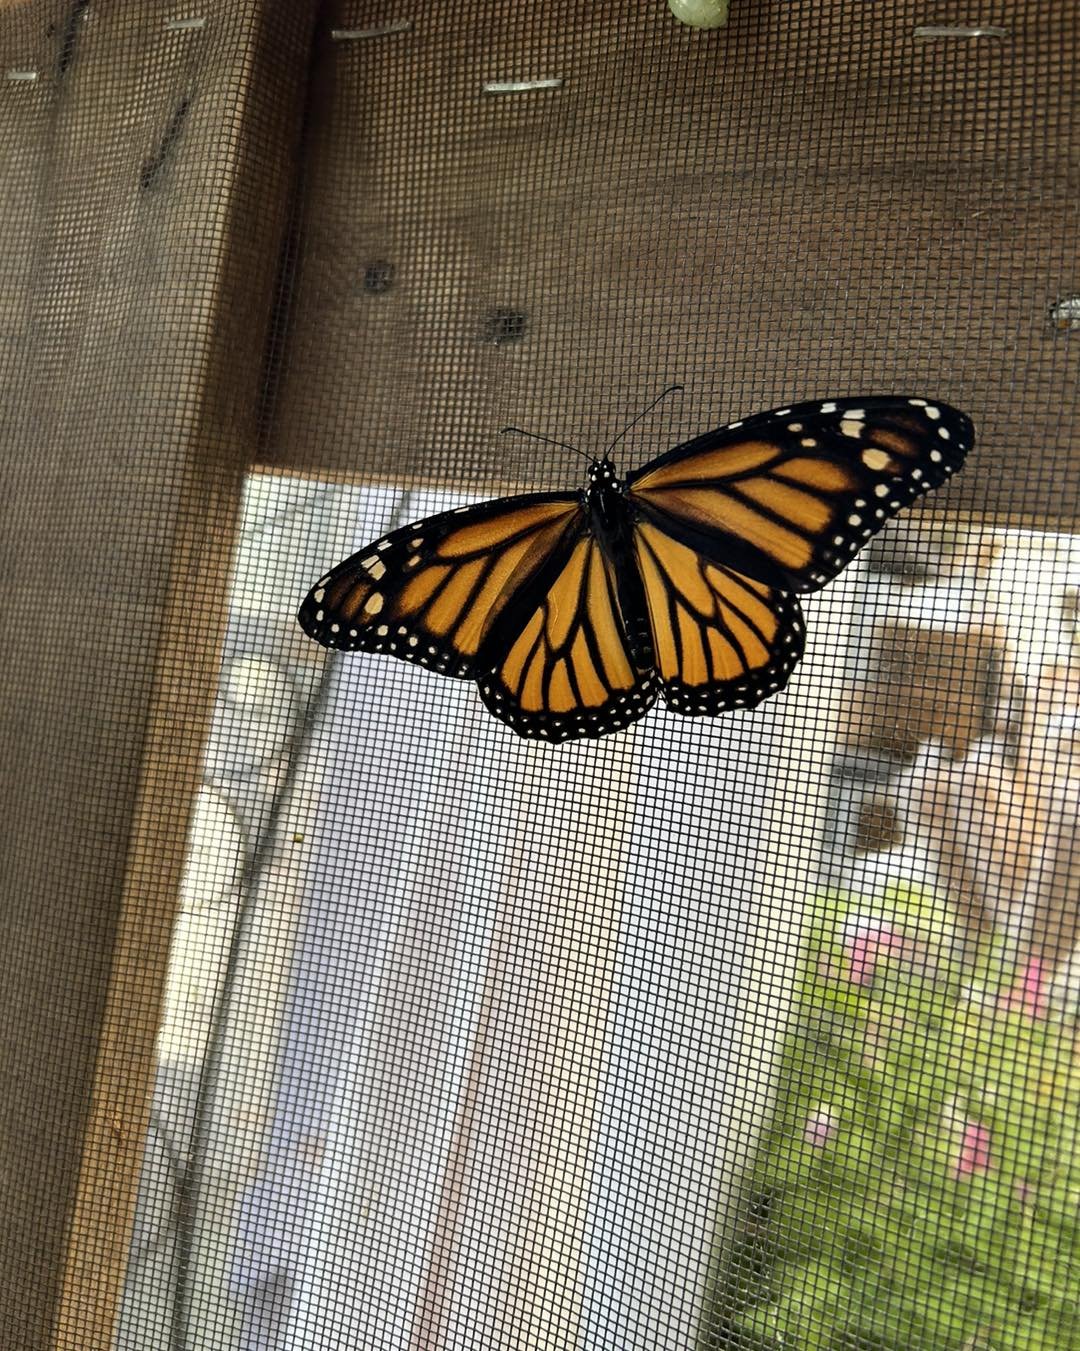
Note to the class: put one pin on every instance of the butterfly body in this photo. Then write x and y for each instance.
(575, 611)
(610, 516)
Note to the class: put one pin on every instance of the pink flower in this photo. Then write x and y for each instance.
(821, 1127)
(974, 1150)
(1028, 995)
(866, 941)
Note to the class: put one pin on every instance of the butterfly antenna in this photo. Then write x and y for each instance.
(671, 389)
(550, 440)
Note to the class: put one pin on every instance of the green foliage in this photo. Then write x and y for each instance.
(919, 1186)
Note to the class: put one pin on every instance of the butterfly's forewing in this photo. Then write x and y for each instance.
(721, 640)
(556, 664)
(789, 497)
(429, 592)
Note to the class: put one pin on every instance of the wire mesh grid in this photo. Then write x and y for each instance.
(747, 1032)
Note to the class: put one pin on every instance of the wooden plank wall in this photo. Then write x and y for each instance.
(811, 201)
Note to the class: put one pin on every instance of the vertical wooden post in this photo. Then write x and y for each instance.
(146, 173)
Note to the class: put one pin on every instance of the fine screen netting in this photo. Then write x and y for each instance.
(339, 1016)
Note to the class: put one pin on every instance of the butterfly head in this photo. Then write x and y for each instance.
(602, 474)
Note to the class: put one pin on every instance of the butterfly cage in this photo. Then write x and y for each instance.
(674, 952)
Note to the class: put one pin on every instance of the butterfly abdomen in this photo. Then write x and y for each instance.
(610, 519)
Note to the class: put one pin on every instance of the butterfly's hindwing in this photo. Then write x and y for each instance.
(429, 591)
(789, 497)
(559, 665)
(721, 640)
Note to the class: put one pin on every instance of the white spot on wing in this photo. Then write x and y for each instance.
(850, 427)
(374, 603)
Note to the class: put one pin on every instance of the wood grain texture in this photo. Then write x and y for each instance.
(133, 313)
(808, 202)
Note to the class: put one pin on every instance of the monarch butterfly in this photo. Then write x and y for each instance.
(572, 611)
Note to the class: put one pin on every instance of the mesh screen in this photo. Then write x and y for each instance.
(337, 1016)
